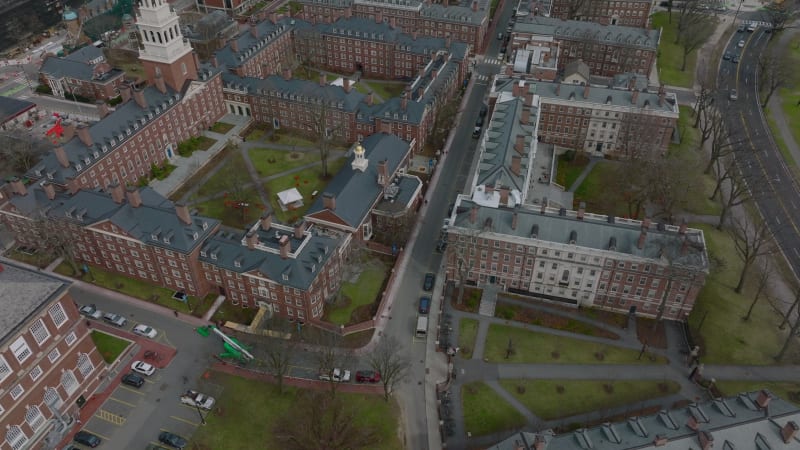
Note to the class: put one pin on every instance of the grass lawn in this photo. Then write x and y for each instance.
(270, 161)
(290, 138)
(519, 313)
(556, 399)
(486, 412)
(38, 259)
(532, 347)
(306, 181)
(569, 169)
(230, 215)
(248, 409)
(467, 332)
(138, 289)
(362, 293)
(790, 95)
(228, 311)
(670, 55)
(690, 136)
(776, 135)
(592, 191)
(109, 346)
(220, 182)
(198, 176)
(724, 337)
(221, 127)
(787, 390)
(385, 90)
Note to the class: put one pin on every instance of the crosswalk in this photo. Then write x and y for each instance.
(493, 61)
(481, 78)
(757, 23)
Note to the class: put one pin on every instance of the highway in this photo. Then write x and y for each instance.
(774, 190)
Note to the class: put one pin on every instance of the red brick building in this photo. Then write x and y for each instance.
(83, 73)
(631, 13)
(267, 48)
(49, 364)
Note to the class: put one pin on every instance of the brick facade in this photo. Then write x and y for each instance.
(632, 13)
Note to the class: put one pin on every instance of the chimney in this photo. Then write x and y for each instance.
(117, 192)
(125, 91)
(18, 187)
(539, 442)
(273, 17)
(420, 92)
(764, 396)
(61, 156)
(69, 130)
(473, 214)
(369, 99)
(404, 100)
(581, 210)
(102, 109)
(558, 89)
(525, 117)
(586, 91)
(634, 97)
(383, 173)
(73, 186)
(83, 134)
(519, 144)
(683, 227)
(516, 90)
(49, 190)
(642, 239)
(299, 229)
(284, 244)
(378, 17)
(252, 239)
(393, 22)
(514, 220)
(446, 3)
(661, 94)
(474, 5)
(504, 195)
(133, 197)
(543, 210)
(660, 441)
(183, 213)
(706, 440)
(266, 221)
(789, 431)
(516, 163)
(323, 80)
(528, 98)
(692, 423)
(346, 85)
(254, 30)
(214, 61)
(160, 84)
(632, 84)
(234, 44)
(138, 96)
(414, 34)
(329, 201)
(287, 74)
(645, 224)
(684, 245)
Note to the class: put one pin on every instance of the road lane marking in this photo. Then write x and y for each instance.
(796, 252)
(122, 401)
(108, 416)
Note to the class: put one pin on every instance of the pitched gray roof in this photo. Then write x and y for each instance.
(154, 222)
(249, 45)
(86, 55)
(590, 31)
(733, 422)
(308, 255)
(456, 14)
(579, 67)
(115, 126)
(11, 107)
(22, 293)
(356, 192)
(594, 231)
(366, 29)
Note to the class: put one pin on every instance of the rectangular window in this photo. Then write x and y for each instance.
(58, 315)
(17, 391)
(20, 349)
(39, 332)
(36, 372)
(5, 369)
(54, 355)
(71, 338)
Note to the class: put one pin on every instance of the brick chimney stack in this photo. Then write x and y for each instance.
(370, 98)
(706, 440)
(519, 144)
(516, 164)
(504, 191)
(323, 80)
(161, 85)
(475, 5)
(662, 92)
(117, 192)
(634, 97)
(138, 96)
(266, 221)
(133, 197)
(102, 109)
(404, 100)
(61, 156)
(642, 239)
(539, 443)
(252, 239)
(517, 88)
(514, 221)
(68, 130)
(234, 45)
(254, 30)
(299, 229)
(684, 225)
(329, 201)
(383, 173)
(18, 187)
(287, 74)
(346, 85)
(645, 224)
(84, 136)
(789, 431)
(764, 396)
(660, 441)
(581, 210)
(182, 211)
(473, 214)
(558, 89)
(586, 91)
(49, 190)
(284, 245)
(525, 117)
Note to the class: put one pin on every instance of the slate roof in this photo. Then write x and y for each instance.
(584, 30)
(355, 191)
(22, 293)
(154, 222)
(55, 67)
(228, 250)
(369, 30)
(458, 14)
(86, 55)
(401, 196)
(594, 231)
(128, 115)
(733, 422)
(11, 107)
(249, 45)
(577, 67)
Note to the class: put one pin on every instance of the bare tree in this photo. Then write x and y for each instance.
(793, 333)
(764, 276)
(692, 37)
(331, 356)
(386, 360)
(279, 354)
(672, 181)
(778, 15)
(689, 14)
(788, 314)
(317, 421)
(773, 73)
(238, 193)
(325, 124)
(54, 241)
(751, 241)
(443, 121)
(20, 153)
(675, 257)
(731, 188)
(722, 143)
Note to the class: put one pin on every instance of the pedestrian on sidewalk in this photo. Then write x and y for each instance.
(693, 373)
(176, 313)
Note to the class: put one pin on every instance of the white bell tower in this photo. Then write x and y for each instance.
(359, 162)
(164, 50)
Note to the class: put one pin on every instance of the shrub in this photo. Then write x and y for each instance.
(505, 312)
(115, 101)
(44, 89)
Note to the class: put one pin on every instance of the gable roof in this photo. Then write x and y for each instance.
(23, 292)
(580, 30)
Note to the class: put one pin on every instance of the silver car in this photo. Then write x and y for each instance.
(115, 319)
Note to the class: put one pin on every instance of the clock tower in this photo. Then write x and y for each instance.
(164, 50)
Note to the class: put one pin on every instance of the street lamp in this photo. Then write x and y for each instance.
(199, 412)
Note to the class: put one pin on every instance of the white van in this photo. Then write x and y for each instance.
(422, 327)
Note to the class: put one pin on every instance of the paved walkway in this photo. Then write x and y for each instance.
(586, 170)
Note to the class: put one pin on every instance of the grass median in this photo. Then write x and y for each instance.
(486, 412)
(467, 332)
(110, 347)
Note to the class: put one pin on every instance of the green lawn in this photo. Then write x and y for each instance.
(227, 311)
(519, 313)
(790, 95)
(726, 339)
(690, 136)
(781, 143)
(569, 169)
(231, 215)
(787, 390)
(670, 55)
(220, 181)
(542, 397)
(532, 347)
(385, 90)
(109, 346)
(292, 138)
(269, 162)
(139, 289)
(38, 259)
(486, 412)
(248, 409)
(354, 295)
(467, 332)
(221, 127)
(306, 181)
(592, 191)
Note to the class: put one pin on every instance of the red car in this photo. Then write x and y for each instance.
(368, 376)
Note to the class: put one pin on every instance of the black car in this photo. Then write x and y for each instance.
(430, 279)
(172, 439)
(735, 60)
(86, 438)
(483, 112)
(726, 56)
(424, 305)
(132, 379)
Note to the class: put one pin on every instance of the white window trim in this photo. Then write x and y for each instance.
(39, 328)
(71, 338)
(54, 355)
(5, 369)
(36, 373)
(57, 311)
(22, 351)
(16, 391)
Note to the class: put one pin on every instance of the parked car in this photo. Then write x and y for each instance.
(342, 376)
(735, 59)
(424, 305)
(86, 438)
(430, 280)
(484, 110)
(751, 28)
(91, 311)
(172, 439)
(727, 56)
(115, 319)
(144, 330)
(499, 36)
(368, 376)
(741, 29)
(741, 43)
(132, 379)
(733, 95)
(143, 368)
(476, 133)
(194, 398)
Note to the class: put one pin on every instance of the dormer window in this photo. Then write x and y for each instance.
(319, 258)
(237, 263)
(214, 255)
(49, 175)
(96, 154)
(285, 276)
(113, 142)
(149, 116)
(78, 167)
(154, 236)
(203, 253)
(195, 235)
(136, 126)
(105, 148)
(38, 172)
(87, 161)
(158, 110)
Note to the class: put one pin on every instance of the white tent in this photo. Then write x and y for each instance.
(289, 196)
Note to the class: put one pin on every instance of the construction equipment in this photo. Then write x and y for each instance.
(233, 348)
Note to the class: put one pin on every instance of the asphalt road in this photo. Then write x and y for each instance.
(773, 188)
